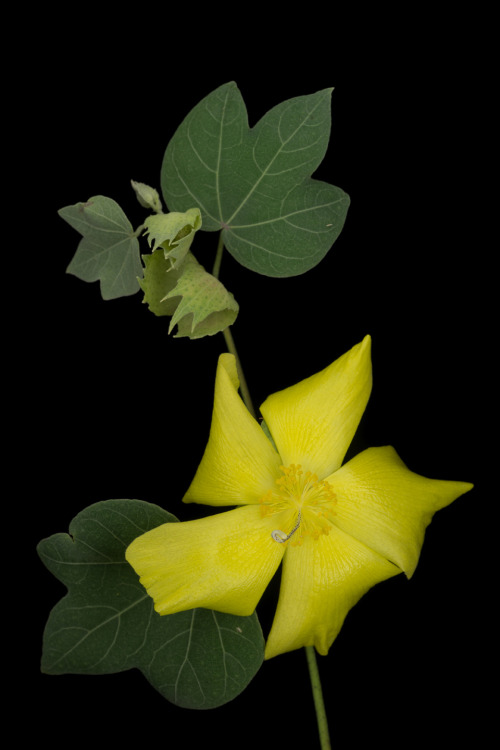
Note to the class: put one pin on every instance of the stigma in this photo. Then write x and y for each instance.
(309, 505)
(280, 536)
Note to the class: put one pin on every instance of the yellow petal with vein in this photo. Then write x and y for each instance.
(388, 507)
(314, 421)
(239, 464)
(222, 562)
(321, 581)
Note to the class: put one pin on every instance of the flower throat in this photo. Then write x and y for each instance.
(310, 501)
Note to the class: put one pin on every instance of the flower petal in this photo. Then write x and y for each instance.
(239, 464)
(314, 421)
(321, 581)
(222, 562)
(388, 507)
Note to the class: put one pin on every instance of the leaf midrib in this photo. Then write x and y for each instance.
(278, 152)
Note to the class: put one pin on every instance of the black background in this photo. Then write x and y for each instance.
(114, 407)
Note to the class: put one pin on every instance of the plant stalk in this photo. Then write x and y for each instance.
(319, 704)
(317, 690)
(228, 337)
(245, 393)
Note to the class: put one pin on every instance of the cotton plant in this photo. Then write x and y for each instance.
(336, 528)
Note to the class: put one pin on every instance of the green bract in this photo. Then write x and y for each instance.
(174, 232)
(255, 184)
(106, 622)
(198, 303)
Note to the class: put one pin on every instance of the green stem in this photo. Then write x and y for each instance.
(311, 655)
(245, 393)
(319, 703)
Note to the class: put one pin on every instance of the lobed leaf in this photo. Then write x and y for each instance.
(106, 623)
(109, 251)
(255, 184)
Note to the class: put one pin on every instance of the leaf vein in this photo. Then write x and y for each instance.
(264, 173)
(90, 631)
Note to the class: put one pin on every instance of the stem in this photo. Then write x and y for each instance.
(317, 691)
(245, 393)
(319, 704)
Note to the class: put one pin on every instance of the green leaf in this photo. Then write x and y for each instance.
(109, 251)
(106, 623)
(198, 303)
(174, 232)
(255, 184)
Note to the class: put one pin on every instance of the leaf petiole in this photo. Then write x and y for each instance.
(218, 256)
(138, 231)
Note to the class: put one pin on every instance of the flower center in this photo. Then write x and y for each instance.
(305, 502)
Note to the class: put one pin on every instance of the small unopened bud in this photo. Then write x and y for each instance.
(147, 196)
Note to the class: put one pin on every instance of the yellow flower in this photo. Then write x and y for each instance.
(339, 530)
